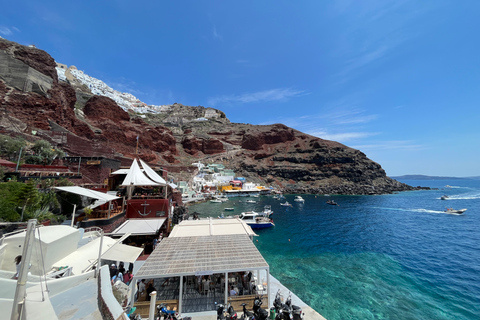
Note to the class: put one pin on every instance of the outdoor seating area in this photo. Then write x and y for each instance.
(200, 293)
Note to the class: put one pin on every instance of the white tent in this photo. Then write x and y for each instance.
(152, 174)
(136, 177)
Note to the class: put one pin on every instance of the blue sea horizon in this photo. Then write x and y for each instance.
(397, 256)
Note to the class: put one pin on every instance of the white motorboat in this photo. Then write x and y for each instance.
(286, 204)
(299, 199)
(267, 210)
(444, 197)
(251, 201)
(256, 220)
(451, 210)
(216, 201)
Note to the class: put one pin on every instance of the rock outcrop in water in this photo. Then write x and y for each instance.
(83, 124)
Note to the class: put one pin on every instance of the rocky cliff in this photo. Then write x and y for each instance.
(35, 104)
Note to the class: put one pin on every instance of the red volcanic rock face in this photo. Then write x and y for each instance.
(35, 58)
(278, 133)
(100, 108)
(192, 145)
(116, 126)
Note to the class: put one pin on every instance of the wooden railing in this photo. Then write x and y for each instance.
(143, 307)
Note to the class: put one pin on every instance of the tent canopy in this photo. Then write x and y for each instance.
(136, 177)
(89, 193)
(82, 258)
(211, 227)
(139, 227)
(152, 174)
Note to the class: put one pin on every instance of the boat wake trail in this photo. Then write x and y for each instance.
(464, 197)
(413, 210)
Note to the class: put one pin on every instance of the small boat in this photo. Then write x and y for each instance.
(286, 204)
(216, 201)
(251, 201)
(444, 197)
(332, 202)
(256, 220)
(451, 210)
(228, 209)
(267, 210)
(299, 199)
(276, 197)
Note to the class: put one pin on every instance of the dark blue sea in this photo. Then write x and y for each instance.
(395, 256)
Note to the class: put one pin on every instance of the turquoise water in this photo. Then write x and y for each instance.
(376, 257)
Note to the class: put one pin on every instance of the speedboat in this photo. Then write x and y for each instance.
(286, 204)
(444, 197)
(251, 201)
(451, 210)
(228, 209)
(332, 202)
(216, 201)
(267, 210)
(299, 199)
(256, 220)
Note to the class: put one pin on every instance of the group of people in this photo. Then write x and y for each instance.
(120, 274)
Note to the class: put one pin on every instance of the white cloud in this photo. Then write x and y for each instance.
(342, 136)
(404, 145)
(5, 31)
(215, 33)
(279, 94)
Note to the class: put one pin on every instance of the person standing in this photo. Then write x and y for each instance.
(18, 264)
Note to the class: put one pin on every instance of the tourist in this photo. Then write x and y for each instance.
(113, 270)
(232, 291)
(127, 278)
(141, 289)
(150, 289)
(117, 277)
(18, 263)
(206, 285)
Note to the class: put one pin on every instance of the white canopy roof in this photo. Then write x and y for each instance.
(121, 171)
(139, 226)
(211, 227)
(89, 193)
(82, 258)
(136, 177)
(152, 174)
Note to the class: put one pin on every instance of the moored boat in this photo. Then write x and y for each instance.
(299, 199)
(332, 202)
(286, 204)
(229, 209)
(256, 220)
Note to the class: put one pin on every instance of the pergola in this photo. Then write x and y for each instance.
(182, 256)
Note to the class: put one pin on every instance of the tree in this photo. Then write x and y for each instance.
(43, 153)
(10, 147)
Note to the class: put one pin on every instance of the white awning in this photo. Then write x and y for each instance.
(122, 252)
(88, 193)
(152, 174)
(173, 185)
(211, 227)
(136, 177)
(139, 227)
(121, 171)
(82, 258)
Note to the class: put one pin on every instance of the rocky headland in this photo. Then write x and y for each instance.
(35, 104)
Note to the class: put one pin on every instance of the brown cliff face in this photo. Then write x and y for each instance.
(274, 155)
(106, 125)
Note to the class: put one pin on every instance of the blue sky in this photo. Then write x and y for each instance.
(398, 80)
